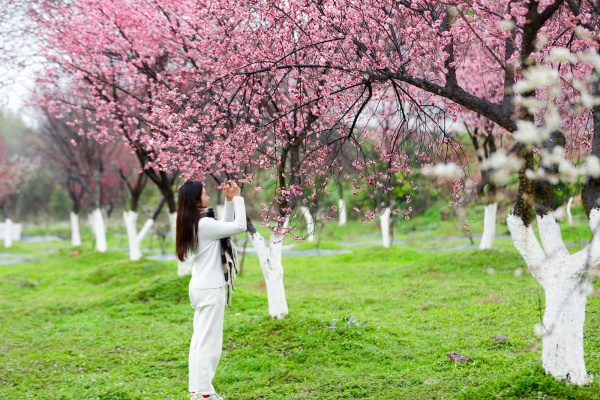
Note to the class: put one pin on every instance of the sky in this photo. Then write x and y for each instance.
(13, 97)
(16, 83)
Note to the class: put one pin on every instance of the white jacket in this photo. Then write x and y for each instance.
(207, 270)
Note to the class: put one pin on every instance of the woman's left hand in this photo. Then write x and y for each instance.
(231, 190)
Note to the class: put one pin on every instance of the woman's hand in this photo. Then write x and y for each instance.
(231, 190)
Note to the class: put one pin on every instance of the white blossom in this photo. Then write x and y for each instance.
(552, 119)
(589, 101)
(528, 133)
(583, 33)
(443, 170)
(532, 104)
(568, 172)
(535, 78)
(542, 41)
(560, 54)
(499, 160)
(592, 57)
(500, 177)
(555, 157)
(506, 25)
(591, 167)
(502, 166)
(535, 175)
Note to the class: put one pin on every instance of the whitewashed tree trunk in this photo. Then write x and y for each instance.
(173, 223)
(220, 211)
(272, 268)
(385, 227)
(564, 280)
(310, 223)
(99, 230)
(145, 229)
(75, 235)
(569, 216)
(130, 219)
(342, 210)
(134, 237)
(8, 232)
(489, 226)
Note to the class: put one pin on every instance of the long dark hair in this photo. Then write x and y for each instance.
(188, 215)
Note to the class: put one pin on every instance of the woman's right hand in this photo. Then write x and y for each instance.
(231, 190)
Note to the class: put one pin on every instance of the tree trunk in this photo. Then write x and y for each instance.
(75, 235)
(489, 226)
(310, 223)
(134, 237)
(272, 268)
(97, 222)
(564, 280)
(385, 227)
(562, 332)
(342, 210)
(130, 219)
(8, 232)
(173, 223)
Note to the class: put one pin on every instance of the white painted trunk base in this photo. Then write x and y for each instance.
(562, 331)
(342, 210)
(75, 235)
(562, 276)
(8, 225)
(385, 227)
(272, 268)
(489, 226)
(310, 223)
(173, 223)
(134, 237)
(97, 223)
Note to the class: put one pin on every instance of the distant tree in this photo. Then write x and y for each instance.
(15, 171)
(59, 202)
(83, 163)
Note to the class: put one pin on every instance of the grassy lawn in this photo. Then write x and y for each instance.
(373, 324)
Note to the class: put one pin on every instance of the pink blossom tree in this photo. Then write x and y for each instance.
(478, 76)
(116, 84)
(86, 167)
(236, 76)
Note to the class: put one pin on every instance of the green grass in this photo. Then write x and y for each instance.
(373, 324)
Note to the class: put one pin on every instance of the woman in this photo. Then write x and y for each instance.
(199, 240)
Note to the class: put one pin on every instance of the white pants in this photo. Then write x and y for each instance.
(207, 340)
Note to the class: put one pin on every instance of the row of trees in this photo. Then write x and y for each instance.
(301, 89)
